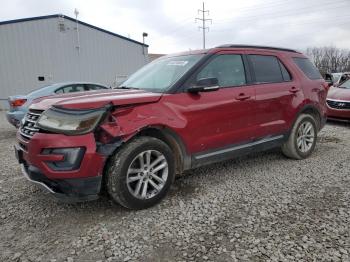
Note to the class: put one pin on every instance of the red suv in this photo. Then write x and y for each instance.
(179, 112)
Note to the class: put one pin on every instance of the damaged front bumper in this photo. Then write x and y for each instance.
(66, 190)
(69, 167)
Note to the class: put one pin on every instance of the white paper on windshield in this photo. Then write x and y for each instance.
(177, 63)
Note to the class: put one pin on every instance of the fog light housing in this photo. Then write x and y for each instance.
(72, 158)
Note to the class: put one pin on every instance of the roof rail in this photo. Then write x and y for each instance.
(258, 47)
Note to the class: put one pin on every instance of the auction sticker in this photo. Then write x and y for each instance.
(177, 63)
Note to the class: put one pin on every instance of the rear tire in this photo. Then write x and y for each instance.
(140, 174)
(302, 139)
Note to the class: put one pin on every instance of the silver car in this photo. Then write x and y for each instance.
(19, 104)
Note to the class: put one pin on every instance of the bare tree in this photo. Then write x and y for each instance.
(330, 59)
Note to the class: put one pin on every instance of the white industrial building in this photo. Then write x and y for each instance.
(41, 50)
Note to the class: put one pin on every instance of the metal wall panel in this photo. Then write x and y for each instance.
(49, 48)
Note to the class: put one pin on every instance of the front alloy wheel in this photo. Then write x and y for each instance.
(140, 174)
(147, 174)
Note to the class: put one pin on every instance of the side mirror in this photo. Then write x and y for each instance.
(205, 85)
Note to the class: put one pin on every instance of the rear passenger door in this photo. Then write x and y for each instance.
(277, 90)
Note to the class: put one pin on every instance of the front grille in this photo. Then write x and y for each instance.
(338, 104)
(29, 128)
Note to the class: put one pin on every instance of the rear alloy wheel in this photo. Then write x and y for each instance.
(305, 137)
(302, 139)
(140, 174)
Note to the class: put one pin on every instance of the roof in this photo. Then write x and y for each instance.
(71, 19)
(257, 47)
(215, 49)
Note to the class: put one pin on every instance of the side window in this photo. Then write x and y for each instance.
(266, 68)
(228, 69)
(59, 91)
(94, 87)
(78, 88)
(286, 75)
(70, 89)
(307, 67)
(66, 89)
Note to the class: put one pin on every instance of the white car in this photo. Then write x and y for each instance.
(338, 78)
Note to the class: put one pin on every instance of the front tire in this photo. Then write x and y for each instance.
(302, 139)
(140, 174)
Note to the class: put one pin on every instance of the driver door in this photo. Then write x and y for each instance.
(217, 119)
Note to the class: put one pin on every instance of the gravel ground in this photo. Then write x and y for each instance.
(258, 208)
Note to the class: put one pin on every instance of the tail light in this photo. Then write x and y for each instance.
(18, 102)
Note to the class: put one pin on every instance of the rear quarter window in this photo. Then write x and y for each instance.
(307, 67)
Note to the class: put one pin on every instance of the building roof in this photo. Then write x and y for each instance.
(71, 19)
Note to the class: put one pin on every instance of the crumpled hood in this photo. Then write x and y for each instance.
(339, 94)
(95, 99)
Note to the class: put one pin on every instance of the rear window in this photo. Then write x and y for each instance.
(307, 67)
(268, 69)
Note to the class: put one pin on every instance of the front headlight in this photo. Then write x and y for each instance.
(70, 122)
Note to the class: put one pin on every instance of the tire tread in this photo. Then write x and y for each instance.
(114, 178)
(288, 148)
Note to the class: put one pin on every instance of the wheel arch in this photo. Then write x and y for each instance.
(307, 109)
(311, 110)
(168, 136)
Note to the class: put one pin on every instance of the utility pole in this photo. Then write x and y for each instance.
(203, 20)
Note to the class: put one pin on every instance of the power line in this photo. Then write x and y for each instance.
(203, 20)
(177, 24)
(322, 6)
(313, 33)
(309, 8)
(249, 19)
(180, 26)
(305, 9)
(316, 21)
(305, 34)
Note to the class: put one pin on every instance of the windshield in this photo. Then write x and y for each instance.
(346, 84)
(336, 77)
(162, 73)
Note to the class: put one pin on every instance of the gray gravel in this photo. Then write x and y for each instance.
(258, 208)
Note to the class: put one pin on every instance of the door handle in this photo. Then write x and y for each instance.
(242, 96)
(294, 89)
